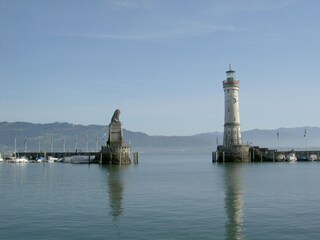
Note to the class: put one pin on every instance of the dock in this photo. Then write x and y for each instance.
(257, 154)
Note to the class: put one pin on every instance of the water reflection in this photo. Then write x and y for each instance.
(233, 200)
(116, 188)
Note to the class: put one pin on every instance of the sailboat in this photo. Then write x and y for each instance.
(291, 157)
(21, 159)
(313, 157)
(52, 159)
(16, 159)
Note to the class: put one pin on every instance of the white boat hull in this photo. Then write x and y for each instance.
(291, 157)
(82, 159)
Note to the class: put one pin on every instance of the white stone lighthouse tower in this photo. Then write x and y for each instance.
(232, 149)
(232, 133)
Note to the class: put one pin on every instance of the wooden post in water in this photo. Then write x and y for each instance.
(223, 157)
(214, 157)
(135, 157)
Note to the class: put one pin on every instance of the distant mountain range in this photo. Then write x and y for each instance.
(32, 136)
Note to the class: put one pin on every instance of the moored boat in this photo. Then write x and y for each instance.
(313, 157)
(302, 159)
(52, 159)
(21, 160)
(82, 159)
(66, 160)
(291, 157)
(40, 159)
(281, 157)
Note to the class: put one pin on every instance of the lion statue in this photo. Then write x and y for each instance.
(115, 117)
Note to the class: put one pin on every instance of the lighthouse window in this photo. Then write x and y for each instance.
(234, 119)
(228, 90)
(228, 109)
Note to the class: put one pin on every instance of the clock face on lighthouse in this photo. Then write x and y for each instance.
(234, 100)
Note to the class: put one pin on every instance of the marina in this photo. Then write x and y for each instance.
(115, 151)
(59, 157)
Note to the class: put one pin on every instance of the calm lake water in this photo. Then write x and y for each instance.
(166, 196)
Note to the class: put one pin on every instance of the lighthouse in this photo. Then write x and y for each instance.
(232, 133)
(232, 149)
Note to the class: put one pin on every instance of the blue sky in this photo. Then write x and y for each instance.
(161, 62)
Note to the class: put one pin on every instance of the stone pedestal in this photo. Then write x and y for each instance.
(115, 138)
(115, 155)
(233, 153)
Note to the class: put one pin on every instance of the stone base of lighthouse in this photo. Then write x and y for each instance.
(233, 153)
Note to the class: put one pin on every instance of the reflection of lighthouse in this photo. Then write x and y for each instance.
(232, 149)
(233, 201)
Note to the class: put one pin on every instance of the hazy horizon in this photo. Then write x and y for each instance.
(164, 135)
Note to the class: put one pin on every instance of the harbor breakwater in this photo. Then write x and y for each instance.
(257, 154)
